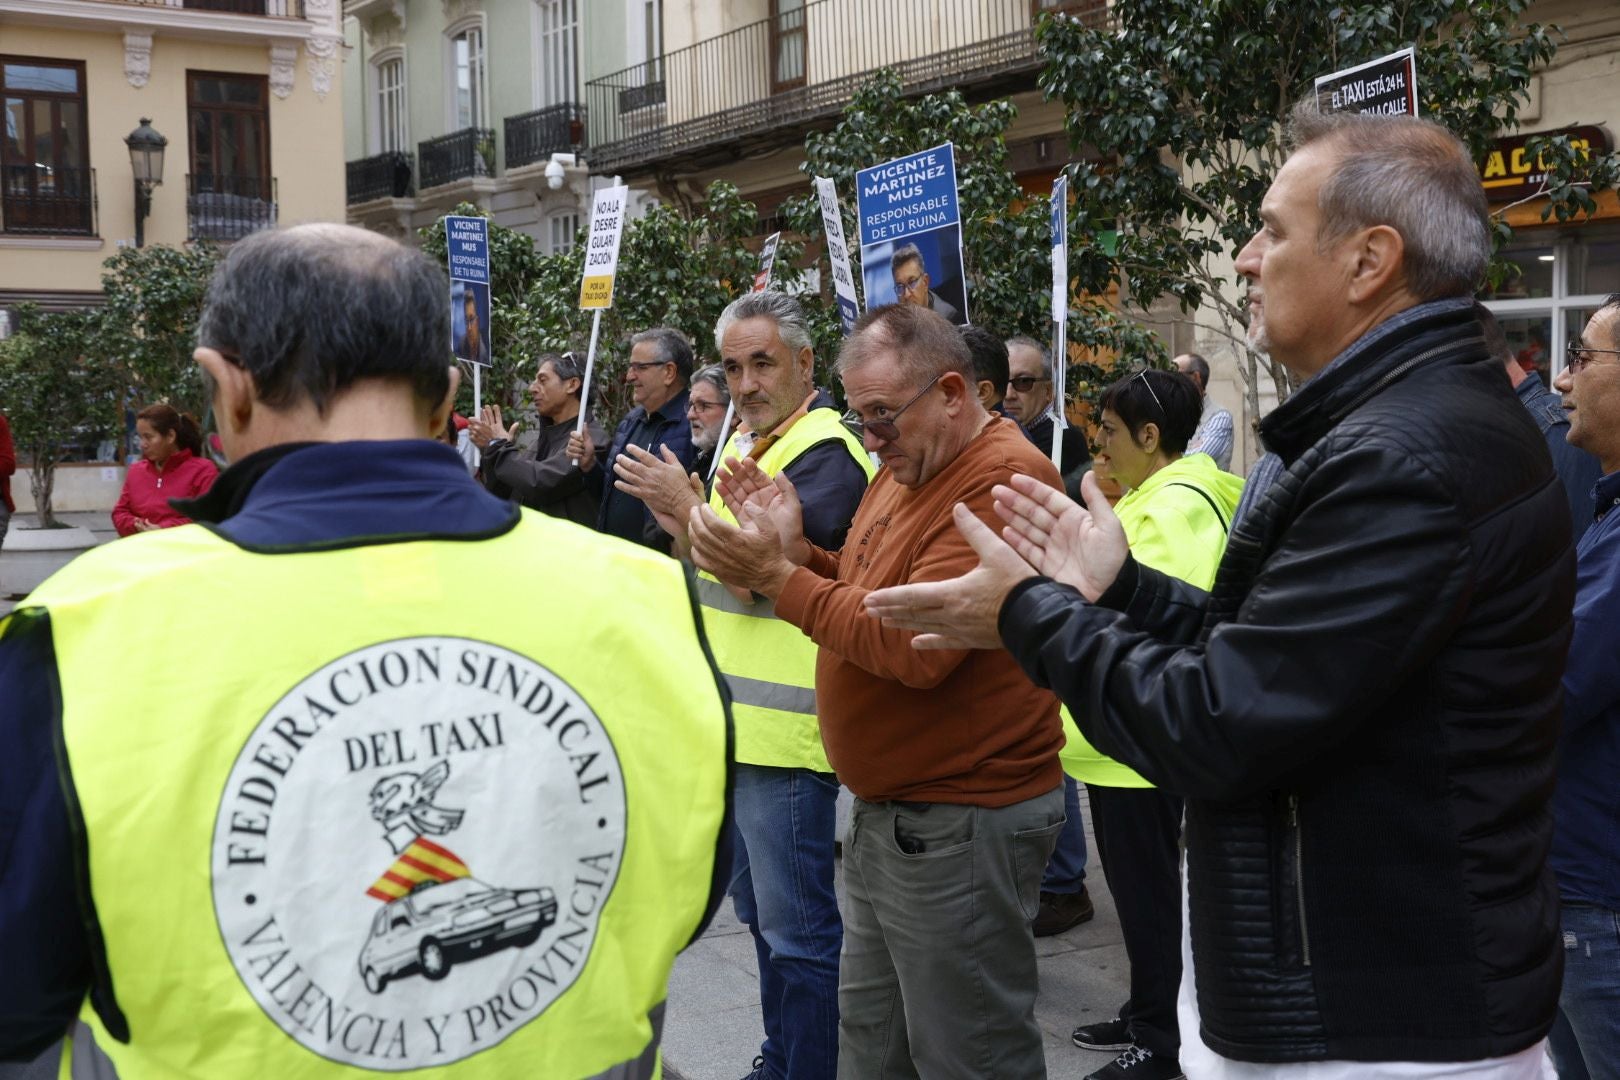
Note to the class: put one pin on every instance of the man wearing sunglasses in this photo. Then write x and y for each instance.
(1029, 401)
(1586, 841)
(952, 756)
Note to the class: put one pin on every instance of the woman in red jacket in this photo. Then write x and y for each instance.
(171, 467)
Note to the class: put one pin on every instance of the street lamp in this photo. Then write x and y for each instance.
(146, 158)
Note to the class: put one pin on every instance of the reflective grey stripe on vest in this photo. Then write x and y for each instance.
(89, 1063)
(712, 594)
(770, 695)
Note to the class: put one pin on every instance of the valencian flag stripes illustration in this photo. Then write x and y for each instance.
(422, 861)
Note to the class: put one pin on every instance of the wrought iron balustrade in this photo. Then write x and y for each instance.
(274, 9)
(41, 200)
(228, 208)
(381, 176)
(804, 64)
(535, 136)
(457, 156)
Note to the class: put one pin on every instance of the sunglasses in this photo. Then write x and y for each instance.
(1581, 357)
(884, 427)
(1143, 376)
(1025, 383)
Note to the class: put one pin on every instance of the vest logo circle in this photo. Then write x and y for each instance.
(413, 850)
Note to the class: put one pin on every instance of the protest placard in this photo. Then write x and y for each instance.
(602, 249)
(467, 242)
(767, 259)
(1060, 315)
(1386, 86)
(832, 220)
(911, 233)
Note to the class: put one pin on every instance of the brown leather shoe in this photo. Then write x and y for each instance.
(1063, 911)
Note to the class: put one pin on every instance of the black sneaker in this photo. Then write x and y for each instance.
(1063, 911)
(760, 1071)
(1104, 1035)
(1138, 1063)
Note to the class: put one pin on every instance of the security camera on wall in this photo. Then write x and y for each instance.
(556, 170)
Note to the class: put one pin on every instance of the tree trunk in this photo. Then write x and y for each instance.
(41, 479)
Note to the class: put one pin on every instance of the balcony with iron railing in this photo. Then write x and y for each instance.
(40, 200)
(226, 208)
(803, 65)
(381, 176)
(273, 9)
(460, 155)
(535, 136)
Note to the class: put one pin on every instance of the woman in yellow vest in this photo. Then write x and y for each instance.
(1176, 513)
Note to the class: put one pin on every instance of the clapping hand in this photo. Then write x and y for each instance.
(488, 426)
(770, 504)
(1060, 538)
(663, 484)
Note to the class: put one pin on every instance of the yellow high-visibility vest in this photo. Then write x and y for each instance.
(441, 806)
(770, 664)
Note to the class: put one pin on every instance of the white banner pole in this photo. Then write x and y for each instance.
(725, 432)
(585, 388)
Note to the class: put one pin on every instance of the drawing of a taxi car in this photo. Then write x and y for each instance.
(437, 924)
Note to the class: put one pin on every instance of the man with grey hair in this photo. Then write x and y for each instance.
(785, 792)
(952, 756)
(1214, 434)
(660, 366)
(1364, 712)
(912, 285)
(1030, 401)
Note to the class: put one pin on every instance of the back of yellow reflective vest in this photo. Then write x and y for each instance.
(367, 820)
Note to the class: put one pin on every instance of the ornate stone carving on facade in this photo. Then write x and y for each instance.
(283, 63)
(460, 9)
(137, 57)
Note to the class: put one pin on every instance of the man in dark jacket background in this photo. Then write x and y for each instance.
(543, 478)
(1363, 711)
(660, 368)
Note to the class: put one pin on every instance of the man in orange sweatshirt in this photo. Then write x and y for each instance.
(952, 756)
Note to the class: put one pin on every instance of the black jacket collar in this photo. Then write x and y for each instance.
(1438, 332)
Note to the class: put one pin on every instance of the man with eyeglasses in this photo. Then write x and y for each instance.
(1214, 434)
(912, 286)
(952, 756)
(657, 374)
(546, 478)
(1586, 840)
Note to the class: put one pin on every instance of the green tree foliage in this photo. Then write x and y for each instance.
(149, 325)
(1005, 232)
(56, 392)
(1180, 106)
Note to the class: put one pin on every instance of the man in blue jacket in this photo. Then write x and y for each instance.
(1586, 807)
(658, 373)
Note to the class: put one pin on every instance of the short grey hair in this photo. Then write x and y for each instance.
(906, 253)
(779, 307)
(1029, 342)
(924, 341)
(715, 376)
(1411, 175)
(673, 348)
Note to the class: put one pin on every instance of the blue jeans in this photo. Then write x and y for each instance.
(1586, 1039)
(1066, 870)
(783, 891)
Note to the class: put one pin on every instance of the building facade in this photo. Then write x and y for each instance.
(246, 92)
(479, 101)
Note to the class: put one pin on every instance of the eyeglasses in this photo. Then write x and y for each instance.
(908, 286)
(694, 405)
(1025, 383)
(884, 427)
(1581, 357)
(654, 364)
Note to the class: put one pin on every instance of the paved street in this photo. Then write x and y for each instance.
(713, 1029)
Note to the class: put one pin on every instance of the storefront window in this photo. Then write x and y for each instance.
(1556, 284)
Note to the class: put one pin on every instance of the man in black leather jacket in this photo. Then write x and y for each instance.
(1363, 710)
